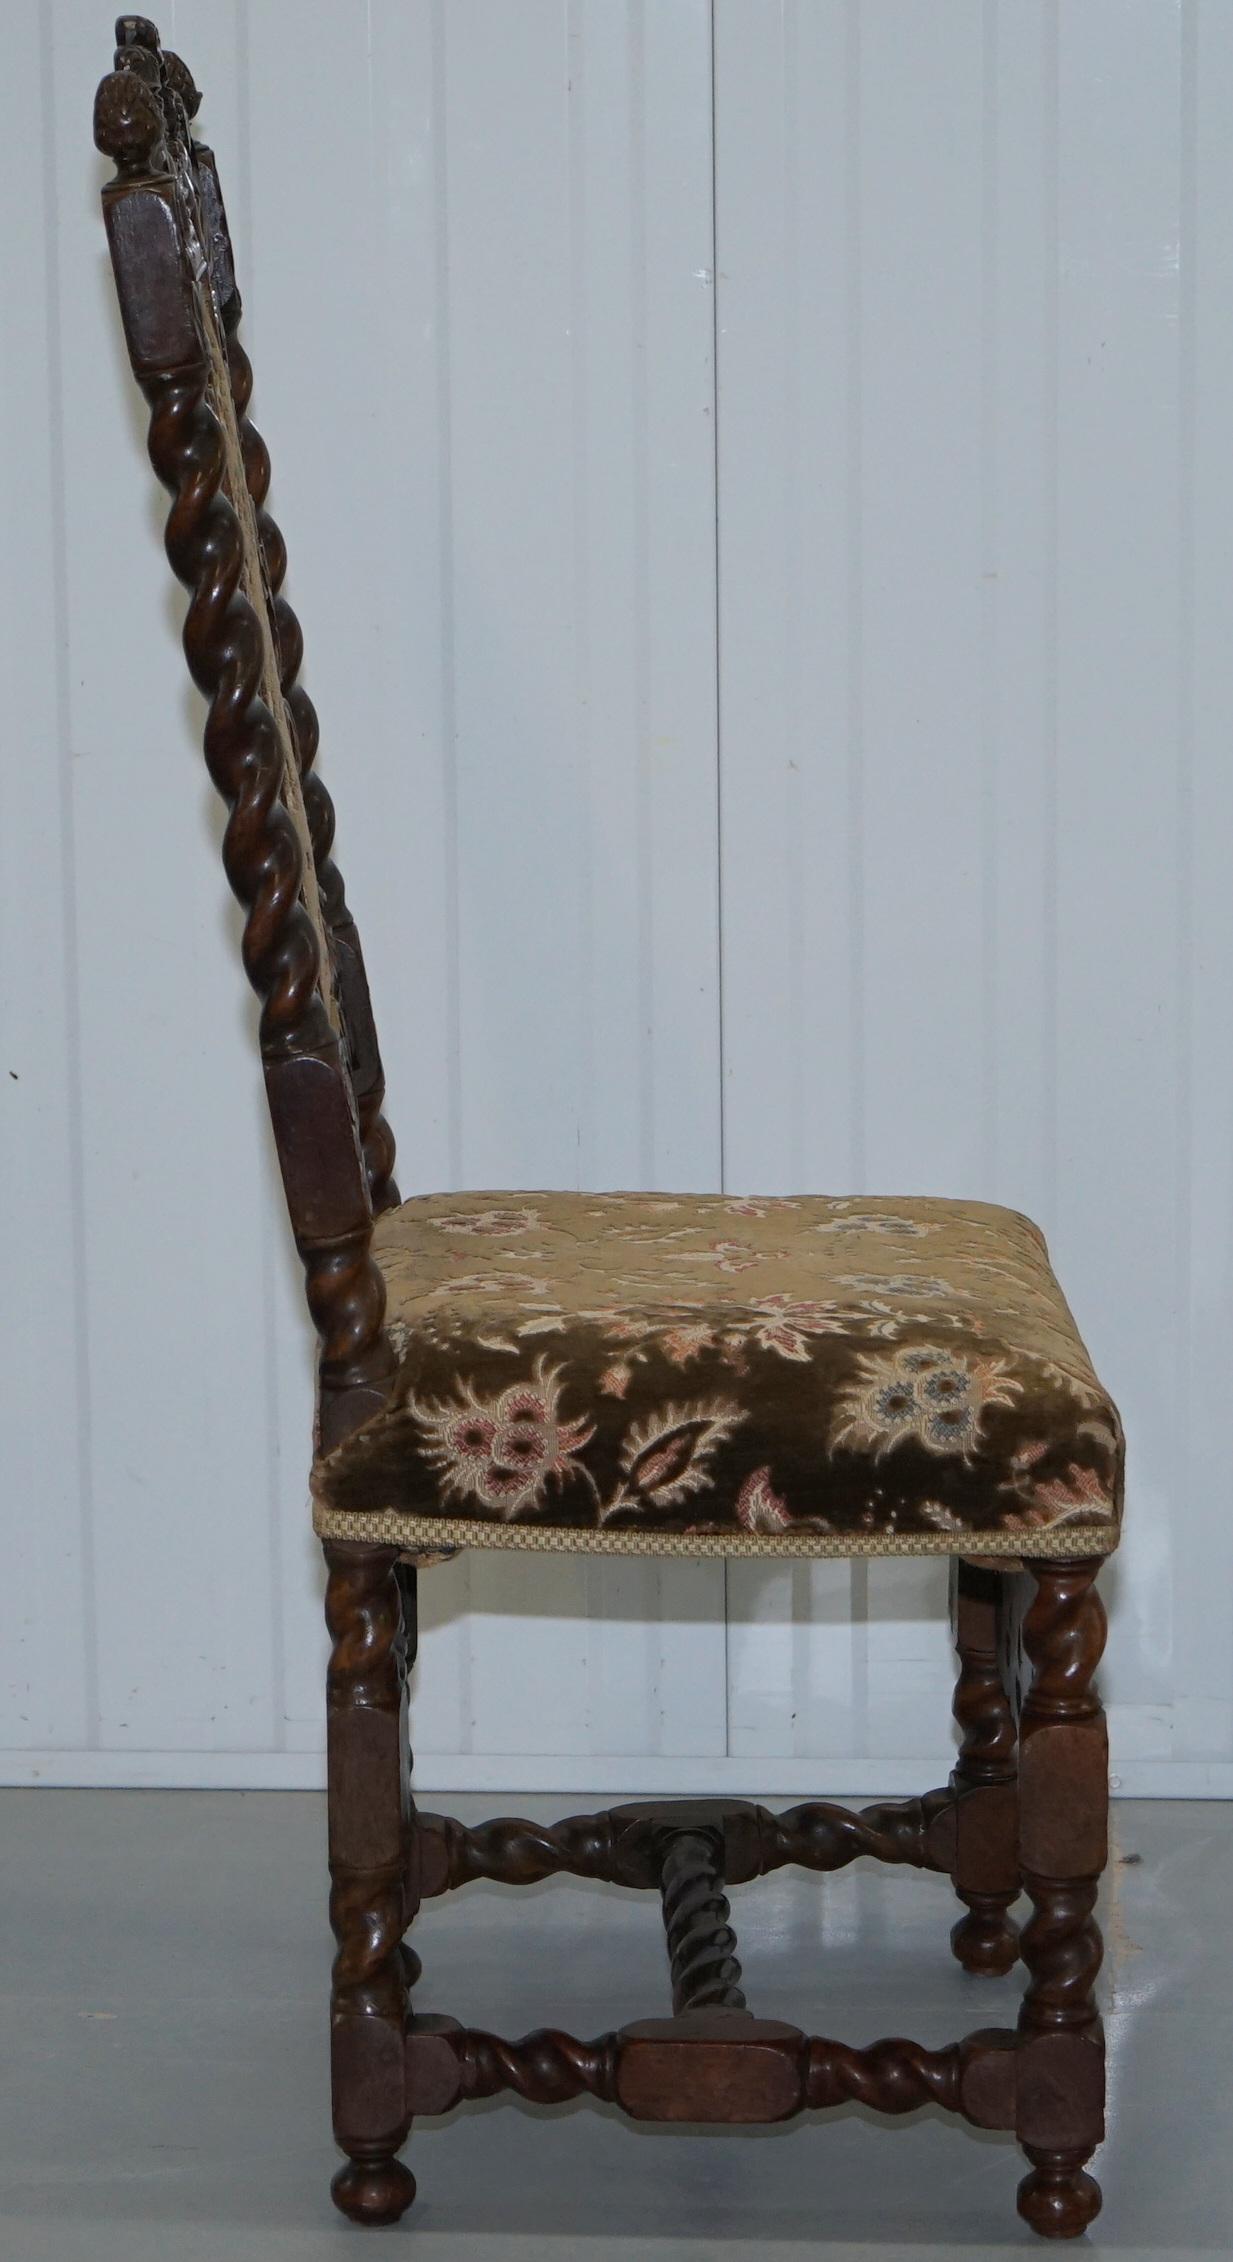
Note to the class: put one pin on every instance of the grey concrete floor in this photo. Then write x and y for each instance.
(163, 2059)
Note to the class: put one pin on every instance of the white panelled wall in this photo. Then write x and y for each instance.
(759, 484)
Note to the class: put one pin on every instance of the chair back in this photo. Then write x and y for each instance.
(175, 279)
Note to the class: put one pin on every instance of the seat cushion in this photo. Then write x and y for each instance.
(691, 1374)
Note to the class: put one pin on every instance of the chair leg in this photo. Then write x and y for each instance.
(1064, 1804)
(370, 1823)
(986, 1873)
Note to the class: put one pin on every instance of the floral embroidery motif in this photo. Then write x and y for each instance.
(925, 1285)
(669, 1456)
(759, 1507)
(498, 1223)
(502, 1452)
(942, 1518)
(686, 1342)
(1084, 1389)
(730, 1256)
(493, 1284)
(1078, 1497)
(778, 1323)
(784, 1324)
(882, 1222)
(623, 1327)
(933, 1397)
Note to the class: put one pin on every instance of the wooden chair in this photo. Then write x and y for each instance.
(686, 1375)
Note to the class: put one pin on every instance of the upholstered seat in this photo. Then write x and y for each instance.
(690, 1374)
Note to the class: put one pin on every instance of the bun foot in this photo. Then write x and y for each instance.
(985, 1941)
(373, 2191)
(1056, 2200)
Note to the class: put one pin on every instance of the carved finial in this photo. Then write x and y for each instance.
(178, 79)
(128, 120)
(144, 63)
(136, 31)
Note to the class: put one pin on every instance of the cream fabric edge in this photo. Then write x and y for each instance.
(389, 1527)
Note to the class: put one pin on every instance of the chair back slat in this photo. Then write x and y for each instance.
(174, 273)
(350, 976)
(236, 488)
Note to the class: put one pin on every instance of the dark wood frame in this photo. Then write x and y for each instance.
(1025, 1810)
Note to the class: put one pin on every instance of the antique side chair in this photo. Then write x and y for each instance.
(685, 1376)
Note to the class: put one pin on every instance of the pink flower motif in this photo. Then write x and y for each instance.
(496, 1223)
(759, 1507)
(502, 1452)
(669, 1455)
(788, 1324)
(493, 1284)
(470, 1438)
(1079, 1498)
(802, 1313)
(729, 1256)
(787, 1341)
(614, 1381)
(1028, 1455)
(735, 1256)
(682, 1344)
(882, 1222)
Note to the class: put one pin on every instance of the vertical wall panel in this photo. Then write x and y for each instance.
(1017, 691)
(1035, 329)
(49, 1687)
(918, 242)
(789, 287)
(173, 1193)
(1203, 1563)
(1119, 860)
(789, 294)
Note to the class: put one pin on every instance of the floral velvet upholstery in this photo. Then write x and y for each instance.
(689, 1374)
